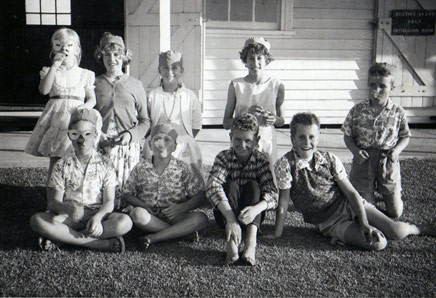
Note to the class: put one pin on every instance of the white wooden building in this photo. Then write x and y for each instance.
(322, 51)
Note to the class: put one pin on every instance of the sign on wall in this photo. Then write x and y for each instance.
(413, 22)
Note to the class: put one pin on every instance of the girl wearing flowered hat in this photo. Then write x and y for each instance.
(67, 85)
(122, 102)
(177, 105)
(257, 93)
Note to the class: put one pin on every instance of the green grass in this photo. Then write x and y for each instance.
(301, 263)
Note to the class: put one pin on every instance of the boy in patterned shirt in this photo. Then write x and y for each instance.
(164, 192)
(81, 194)
(376, 132)
(317, 183)
(241, 188)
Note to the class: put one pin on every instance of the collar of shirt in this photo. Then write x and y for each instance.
(172, 164)
(387, 106)
(77, 163)
(180, 88)
(303, 164)
(234, 158)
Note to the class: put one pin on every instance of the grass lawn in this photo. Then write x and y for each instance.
(301, 263)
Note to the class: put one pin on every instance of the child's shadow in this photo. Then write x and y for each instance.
(17, 205)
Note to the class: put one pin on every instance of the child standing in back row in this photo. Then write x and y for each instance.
(376, 132)
(178, 106)
(257, 93)
(67, 85)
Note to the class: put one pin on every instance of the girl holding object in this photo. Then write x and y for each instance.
(257, 93)
(122, 103)
(68, 85)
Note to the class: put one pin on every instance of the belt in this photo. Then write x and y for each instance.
(67, 97)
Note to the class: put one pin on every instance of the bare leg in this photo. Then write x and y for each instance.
(55, 228)
(184, 224)
(394, 204)
(354, 237)
(146, 221)
(249, 254)
(232, 255)
(393, 230)
(116, 224)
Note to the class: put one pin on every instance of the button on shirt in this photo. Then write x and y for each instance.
(227, 168)
(84, 186)
(176, 184)
(372, 131)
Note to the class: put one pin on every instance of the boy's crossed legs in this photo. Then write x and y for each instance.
(162, 228)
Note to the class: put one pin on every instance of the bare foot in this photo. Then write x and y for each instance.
(249, 254)
(118, 244)
(232, 253)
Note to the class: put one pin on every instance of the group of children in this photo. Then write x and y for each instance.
(99, 186)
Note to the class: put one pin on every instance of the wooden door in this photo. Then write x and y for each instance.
(187, 37)
(414, 58)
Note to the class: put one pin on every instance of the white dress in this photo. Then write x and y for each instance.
(265, 95)
(49, 137)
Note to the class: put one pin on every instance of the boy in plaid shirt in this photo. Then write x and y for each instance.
(241, 188)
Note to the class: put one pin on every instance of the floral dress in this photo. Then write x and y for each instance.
(49, 137)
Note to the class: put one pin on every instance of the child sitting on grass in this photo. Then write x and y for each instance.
(317, 183)
(376, 132)
(164, 192)
(82, 193)
(241, 188)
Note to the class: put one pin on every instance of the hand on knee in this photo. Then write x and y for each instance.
(380, 244)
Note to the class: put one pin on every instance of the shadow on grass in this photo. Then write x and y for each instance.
(18, 204)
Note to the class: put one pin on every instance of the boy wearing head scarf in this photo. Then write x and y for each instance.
(164, 192)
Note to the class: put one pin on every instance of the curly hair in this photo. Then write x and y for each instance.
(306, 119)
(125, 53)
(258, 49)
(246, 122)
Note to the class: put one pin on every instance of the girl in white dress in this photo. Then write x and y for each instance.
(67, 85)
(257, 93)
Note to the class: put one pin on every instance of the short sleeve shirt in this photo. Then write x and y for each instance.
(84, 186)
(176, 184)
(371, 131)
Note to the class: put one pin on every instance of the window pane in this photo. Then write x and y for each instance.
(267, 11)
(63, 6)
(48, 19)
(64, 19)
(241, 10)
(33, 19)
(32, 6)
(48, 6)
(216, 10)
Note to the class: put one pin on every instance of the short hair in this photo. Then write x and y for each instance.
(258, 49)
(382, 69)
(306, 119)
(64, 33)
(245, 122)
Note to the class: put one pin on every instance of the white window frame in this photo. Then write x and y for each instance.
(283, 24)
(43, 16)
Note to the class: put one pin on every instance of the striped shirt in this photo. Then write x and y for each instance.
(227, 168)
(372, 131)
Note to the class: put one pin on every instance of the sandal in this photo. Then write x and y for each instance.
(46, 244)
(144, 242)
(119, 245)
